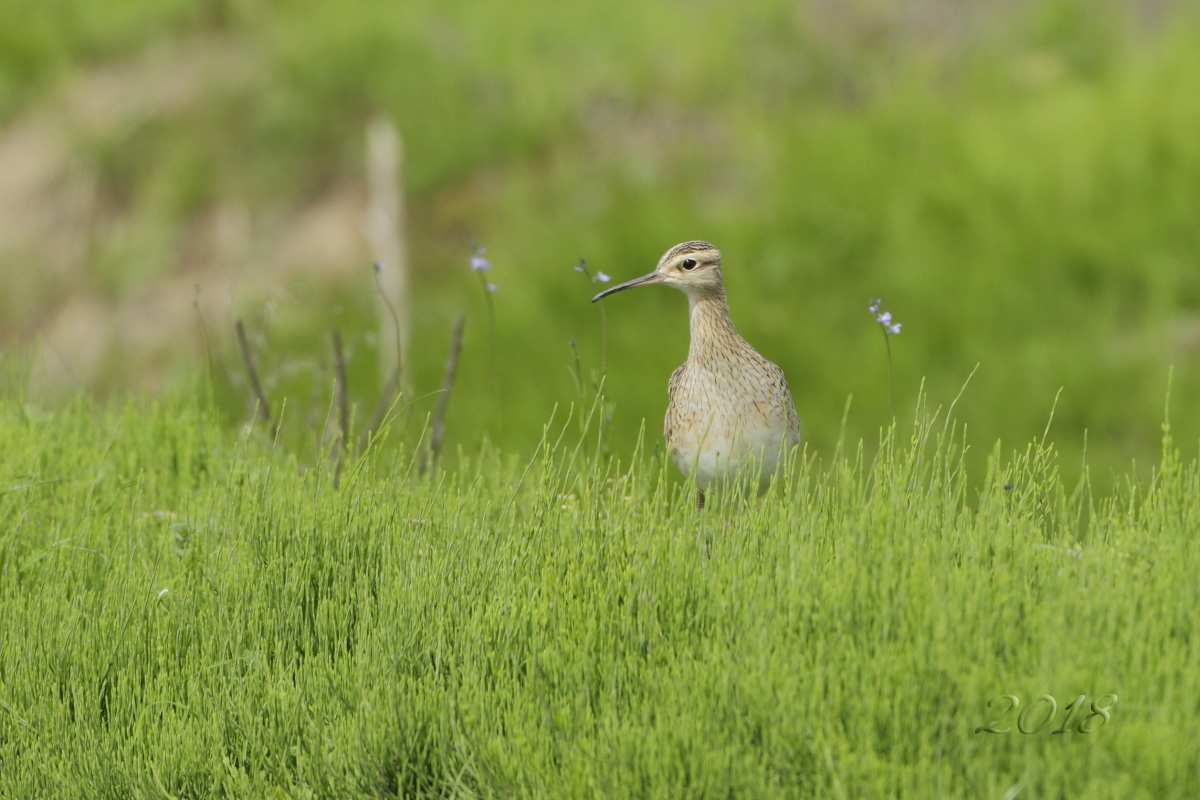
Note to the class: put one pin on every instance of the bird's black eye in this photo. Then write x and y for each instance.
(689, 263)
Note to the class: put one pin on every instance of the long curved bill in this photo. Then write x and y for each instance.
(645, 280)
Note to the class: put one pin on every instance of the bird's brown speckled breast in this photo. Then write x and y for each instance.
(727, 403)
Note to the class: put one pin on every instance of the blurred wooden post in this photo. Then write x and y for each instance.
(385, 230)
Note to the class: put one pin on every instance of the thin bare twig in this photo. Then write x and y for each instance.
(437, 429)
(343, 408)
(396, 326)
(264, 408)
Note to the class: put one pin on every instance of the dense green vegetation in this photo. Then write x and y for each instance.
(190, 608)
(187, 613)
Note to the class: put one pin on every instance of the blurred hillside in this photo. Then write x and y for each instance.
(1019, 182)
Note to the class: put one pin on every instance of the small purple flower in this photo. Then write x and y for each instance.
(379, 266)
(599, 277)
(491, 287)
(478, 262)
(884, 318)
(890, 329)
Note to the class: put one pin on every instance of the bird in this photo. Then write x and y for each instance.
(730, 412)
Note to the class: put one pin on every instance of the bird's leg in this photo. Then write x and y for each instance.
(701, 536)
(700, 499)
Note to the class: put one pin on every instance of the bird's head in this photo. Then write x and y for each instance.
(692, 267)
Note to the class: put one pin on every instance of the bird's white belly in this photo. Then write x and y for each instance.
(749, 455)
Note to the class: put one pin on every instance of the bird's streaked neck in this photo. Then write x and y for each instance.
(710, 324)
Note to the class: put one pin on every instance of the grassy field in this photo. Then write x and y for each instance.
(190, 608)
(191, 613)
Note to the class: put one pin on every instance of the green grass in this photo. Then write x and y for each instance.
(192, 613)
(187, 611)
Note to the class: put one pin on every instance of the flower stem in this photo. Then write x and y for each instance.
(603, 342)
(887, 340)
(491, 311)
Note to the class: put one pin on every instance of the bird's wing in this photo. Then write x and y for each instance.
(676, 376)
(781, 386)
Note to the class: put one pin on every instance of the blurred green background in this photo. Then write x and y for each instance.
(1019, 182)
